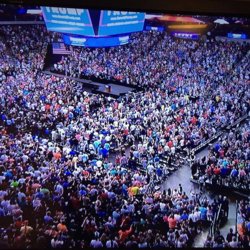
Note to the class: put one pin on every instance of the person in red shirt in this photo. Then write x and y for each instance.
(57, 155)
(222, 153)
(125, 131)
(172, 222)
(194, 120)
(170, 144)
(47, 107)
(123, 234)
(217, 171)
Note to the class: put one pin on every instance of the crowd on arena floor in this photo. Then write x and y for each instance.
(59, 186)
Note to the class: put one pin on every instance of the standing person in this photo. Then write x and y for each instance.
(219, 239)
(225, 206)
(180, 189)
(193, 168)
(192, 158)
(201, 183)
(209, 242)
(230, 235)
(112, 243)
(169, 160)
(169, 191)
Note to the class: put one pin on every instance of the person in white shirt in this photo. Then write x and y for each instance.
(197, 215)
(111, 244)
(56, 243)
(59, 189)
(234, 243)
(96, 243)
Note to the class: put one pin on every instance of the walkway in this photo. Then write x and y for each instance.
(182, 176)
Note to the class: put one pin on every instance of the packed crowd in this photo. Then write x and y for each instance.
(233, 156)
(197, 97)
(60, 185)
(198, 62)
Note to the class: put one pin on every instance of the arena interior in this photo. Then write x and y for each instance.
(123, 129)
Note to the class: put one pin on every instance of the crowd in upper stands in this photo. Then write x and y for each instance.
(61, 185)
(229, 160)
(200, 63)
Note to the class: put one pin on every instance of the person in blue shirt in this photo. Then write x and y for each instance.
(225, 163)
(113, 172)
(39, 195)
(136, 154)
(223, 172)
(107, 146)
(156, 160)
(2, 212)
(93, 162)
(47, 132)
(97, 144)
(184, 216)
(173, 106)
(158, 172)
(85, 157)
(43, 98)
(8, 175)
(65, 184)
(73, 152)
(124, 190)
(234, 173)
(67, 172)
(203, 211)
(47, 218)
(103, 141)
(100, 153)
(105, 153)
(82, 192)
(217, 147)
(3, 117)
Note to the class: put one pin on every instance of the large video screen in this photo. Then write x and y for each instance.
(118, 22)
(68, 20)
(81, 22)
(96, 42)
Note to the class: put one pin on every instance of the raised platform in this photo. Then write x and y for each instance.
(114, 91)
(244, 192)
(224, 189)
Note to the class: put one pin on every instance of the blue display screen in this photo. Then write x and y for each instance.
(120, 22)
(186, 35)
(155, 28)
(95, 42)
(68, 20)
(237, 36)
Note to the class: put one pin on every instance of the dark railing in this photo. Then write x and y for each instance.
(216, 136)
(215, 224)
(236, 219)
